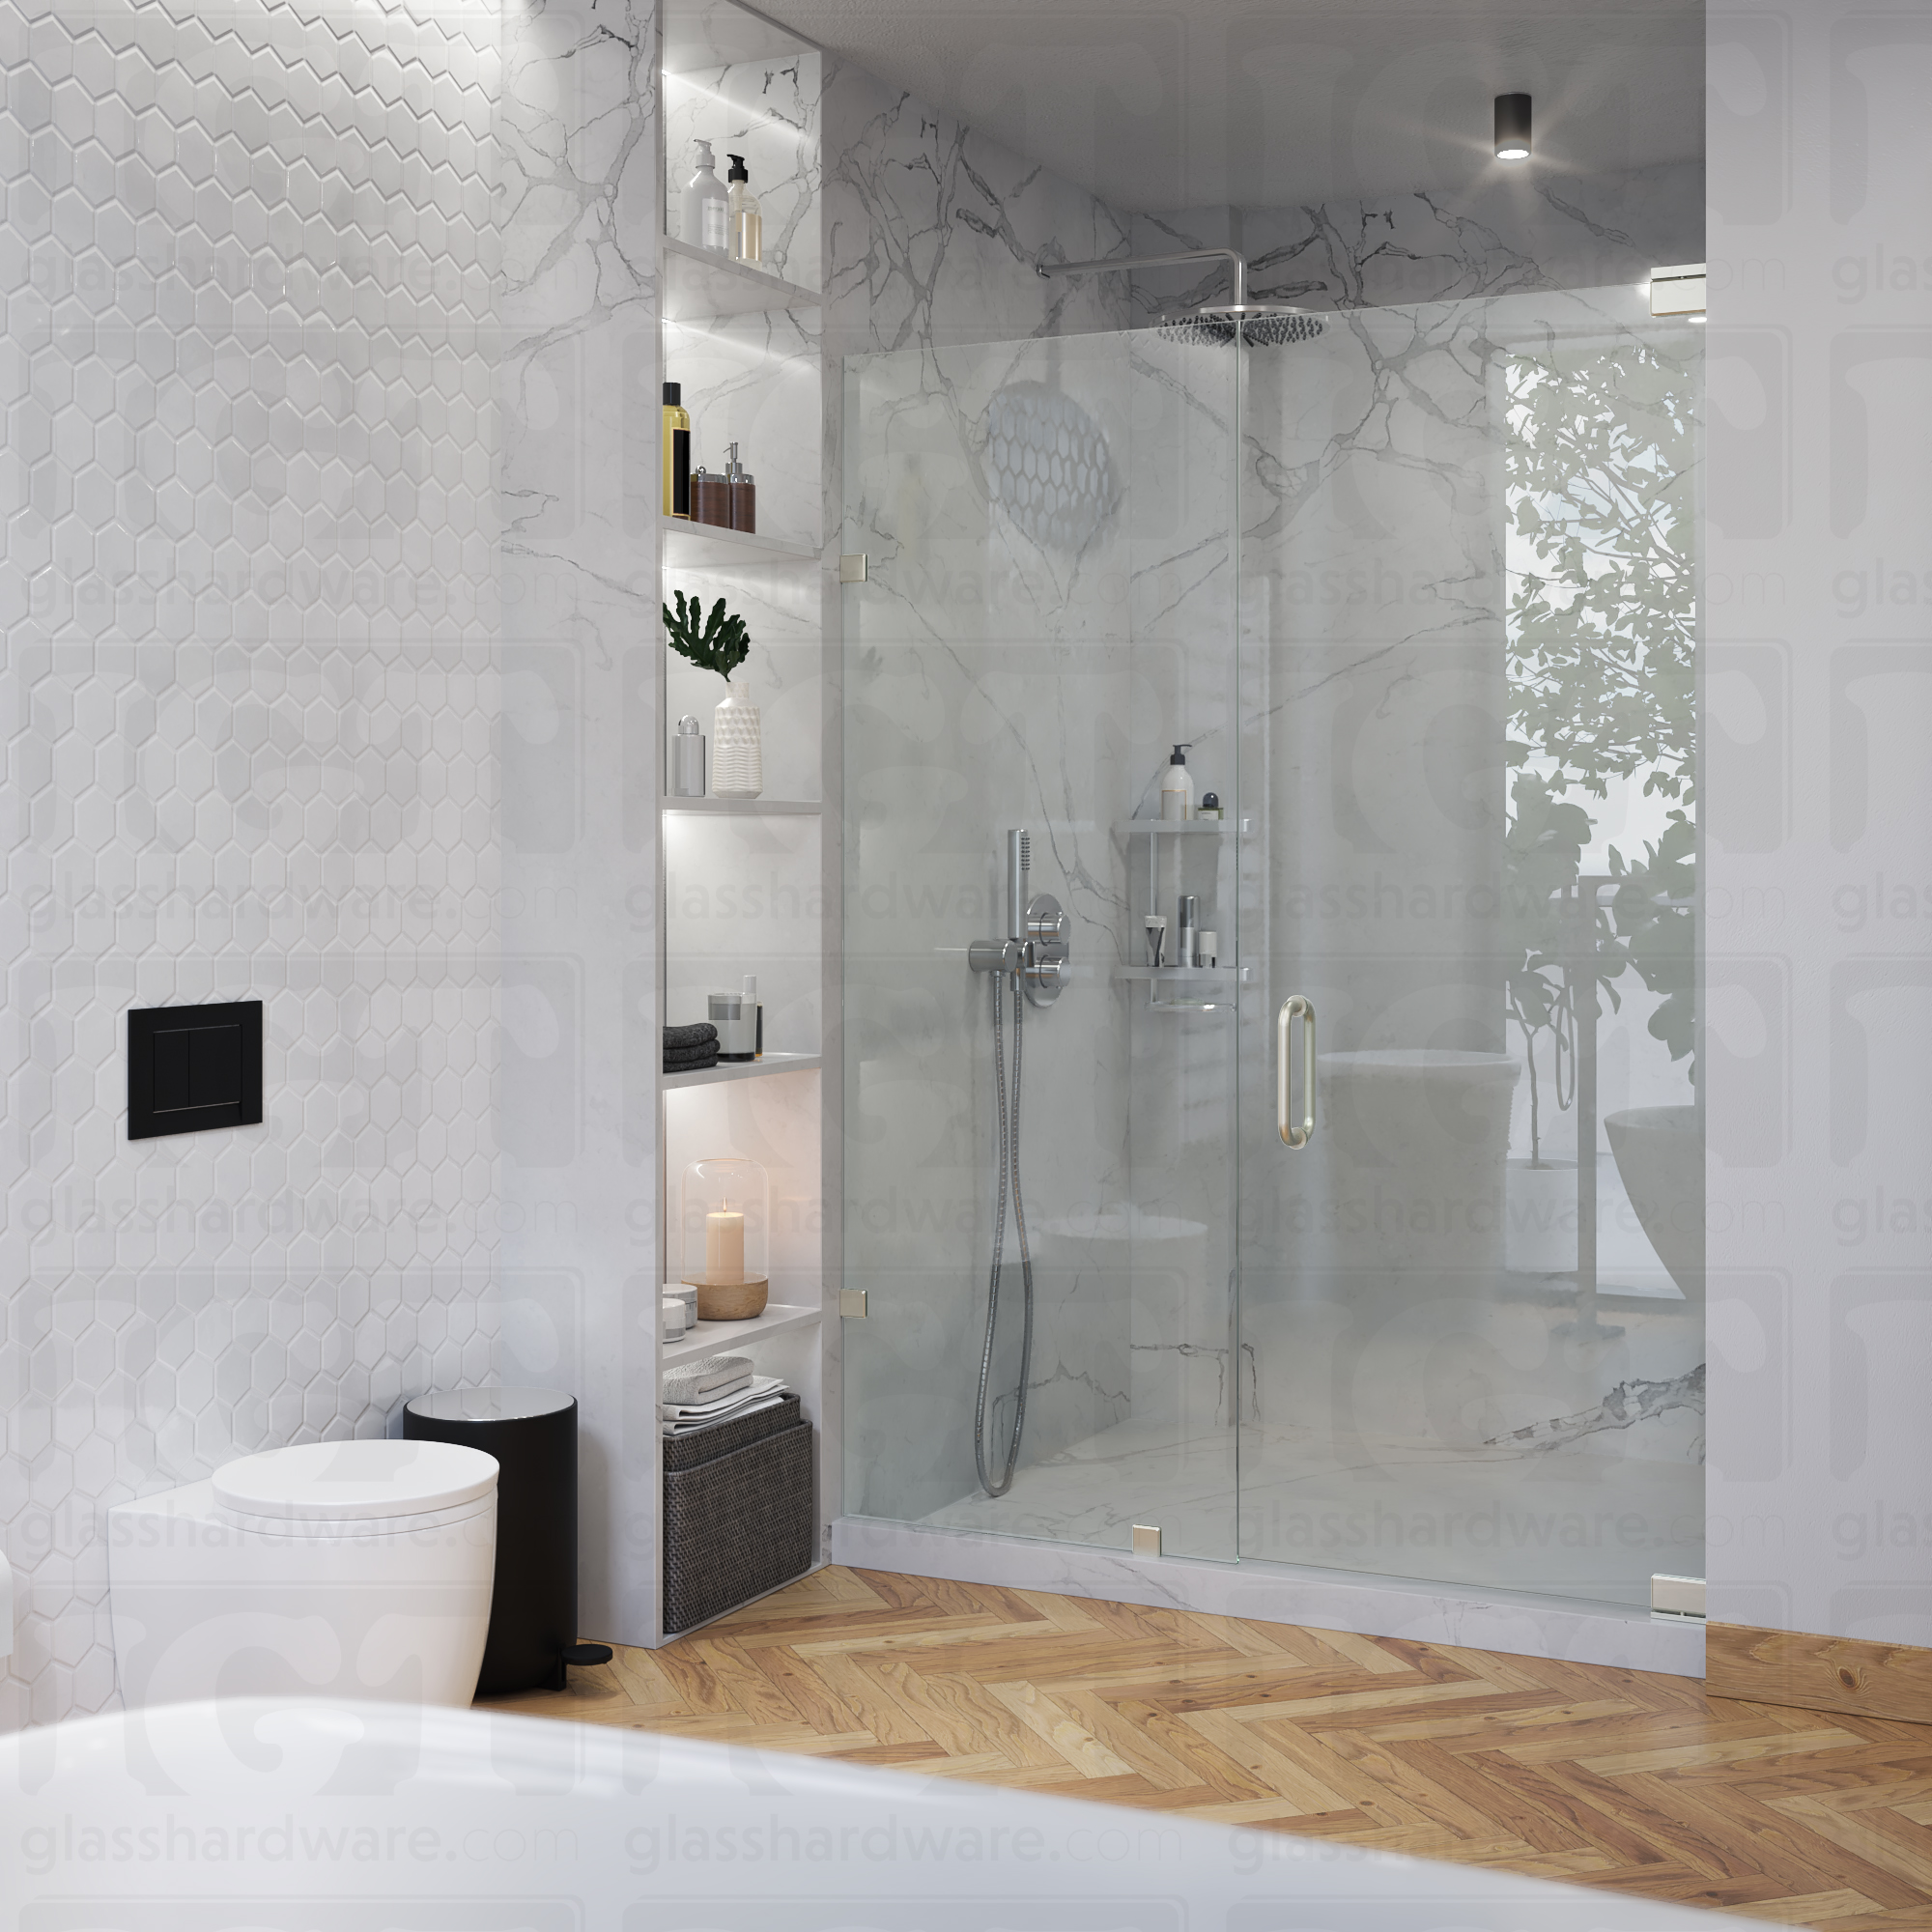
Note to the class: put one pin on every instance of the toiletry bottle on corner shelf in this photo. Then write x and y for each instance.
(676, 452)
(746, 224)
(744, 495)
(1177, 788)
(1187, 952)
(710, 497)
(686, 768)
(707, 207)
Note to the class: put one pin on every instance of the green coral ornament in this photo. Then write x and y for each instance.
(722, 645)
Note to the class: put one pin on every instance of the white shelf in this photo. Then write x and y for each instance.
(1169, 827)
(689, 546)
(720, 1337)
(1184, 975)
(744, 1070)
(746, 808)
(701, 285)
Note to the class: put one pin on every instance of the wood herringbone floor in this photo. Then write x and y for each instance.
(1604, 1778)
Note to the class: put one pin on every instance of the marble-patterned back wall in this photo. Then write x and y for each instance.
(1524, 229)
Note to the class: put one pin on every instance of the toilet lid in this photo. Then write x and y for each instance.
(336, 1482)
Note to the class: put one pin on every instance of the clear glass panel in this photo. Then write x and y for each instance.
(1049, 527)
(1472, 1309)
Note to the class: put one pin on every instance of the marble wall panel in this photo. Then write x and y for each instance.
(579, 218)
(1521, 231)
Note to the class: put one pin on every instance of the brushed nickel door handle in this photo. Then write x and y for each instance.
(1296, 1007)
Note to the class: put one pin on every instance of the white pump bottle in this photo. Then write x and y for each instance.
(707, 207)
(1177, 786)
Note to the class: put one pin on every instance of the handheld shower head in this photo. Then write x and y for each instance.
(1019, 862)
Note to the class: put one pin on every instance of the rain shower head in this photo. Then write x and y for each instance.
(1256, 324)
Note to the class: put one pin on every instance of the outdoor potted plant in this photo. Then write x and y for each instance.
(1601, 643)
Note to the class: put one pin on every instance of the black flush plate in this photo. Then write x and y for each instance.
(191, 1068)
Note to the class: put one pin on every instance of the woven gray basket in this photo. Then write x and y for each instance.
(738, 1526)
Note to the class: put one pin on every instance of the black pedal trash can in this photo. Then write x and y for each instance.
(532, 1433)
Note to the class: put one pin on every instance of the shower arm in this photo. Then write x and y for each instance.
(1232, 256)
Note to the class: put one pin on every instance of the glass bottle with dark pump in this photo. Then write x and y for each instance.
(746, 224)
(676, 452)
(744, 491)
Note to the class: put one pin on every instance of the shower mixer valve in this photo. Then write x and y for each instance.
(1035, 951)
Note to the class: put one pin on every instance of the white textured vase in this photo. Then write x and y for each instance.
(737, 751)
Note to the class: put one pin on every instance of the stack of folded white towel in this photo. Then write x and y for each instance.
(719, 1388)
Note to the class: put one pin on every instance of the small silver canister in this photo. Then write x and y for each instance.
(687, 760)
(736, 1015)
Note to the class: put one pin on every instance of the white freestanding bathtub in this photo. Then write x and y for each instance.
(261, 1816)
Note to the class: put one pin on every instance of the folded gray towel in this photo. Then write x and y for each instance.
(703, 1034)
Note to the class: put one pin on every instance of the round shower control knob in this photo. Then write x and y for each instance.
(1047, 923)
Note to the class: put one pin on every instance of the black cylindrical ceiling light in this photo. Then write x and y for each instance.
(1512, 126)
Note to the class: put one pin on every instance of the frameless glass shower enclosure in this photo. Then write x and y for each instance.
(1419, 595)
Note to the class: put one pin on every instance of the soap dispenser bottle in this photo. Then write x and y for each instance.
(744, 494)
(707, 207)
(1177, 788)
(747, 223)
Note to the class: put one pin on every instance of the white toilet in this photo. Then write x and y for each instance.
(355, 1569)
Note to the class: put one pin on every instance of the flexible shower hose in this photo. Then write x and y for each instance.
(1009, 1166)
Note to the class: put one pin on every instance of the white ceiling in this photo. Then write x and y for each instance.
(1213, 102)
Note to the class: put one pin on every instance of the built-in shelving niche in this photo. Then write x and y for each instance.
(743, 341)
(746, 882)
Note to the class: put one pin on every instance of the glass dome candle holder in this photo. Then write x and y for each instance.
(726, 1222)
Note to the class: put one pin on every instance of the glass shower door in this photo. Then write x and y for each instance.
(1471, 1309)
(1048, 609)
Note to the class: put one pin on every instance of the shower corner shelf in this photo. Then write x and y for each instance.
(1168, 828)
(1205, 989)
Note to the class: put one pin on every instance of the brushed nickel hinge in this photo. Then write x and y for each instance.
(854, 567)
(1146, 1539)
(852, 1304)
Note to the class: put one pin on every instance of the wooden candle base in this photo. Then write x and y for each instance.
(732, 1301)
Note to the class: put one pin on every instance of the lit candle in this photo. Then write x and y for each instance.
(723, 1246)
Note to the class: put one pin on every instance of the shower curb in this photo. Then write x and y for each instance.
(1517, 1624)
